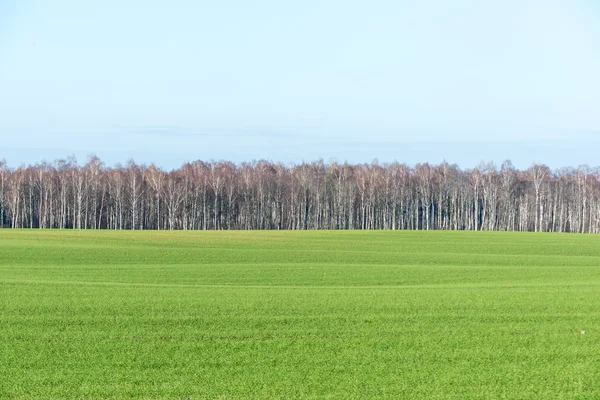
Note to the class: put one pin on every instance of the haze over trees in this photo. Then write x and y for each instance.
(266, 195)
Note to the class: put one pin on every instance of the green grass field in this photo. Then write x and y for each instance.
(405, 315)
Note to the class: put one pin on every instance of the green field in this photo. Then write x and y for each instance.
(405, 315)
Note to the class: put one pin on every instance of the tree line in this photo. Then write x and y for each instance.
(266, 195)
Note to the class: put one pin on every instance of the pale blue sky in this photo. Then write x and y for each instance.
(413, 81)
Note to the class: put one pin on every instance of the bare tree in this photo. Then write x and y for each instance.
(156, 178)
(4, 176)
(266, 195)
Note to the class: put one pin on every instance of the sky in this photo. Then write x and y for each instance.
(291, 81)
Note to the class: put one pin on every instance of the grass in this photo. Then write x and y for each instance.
(419, 315)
